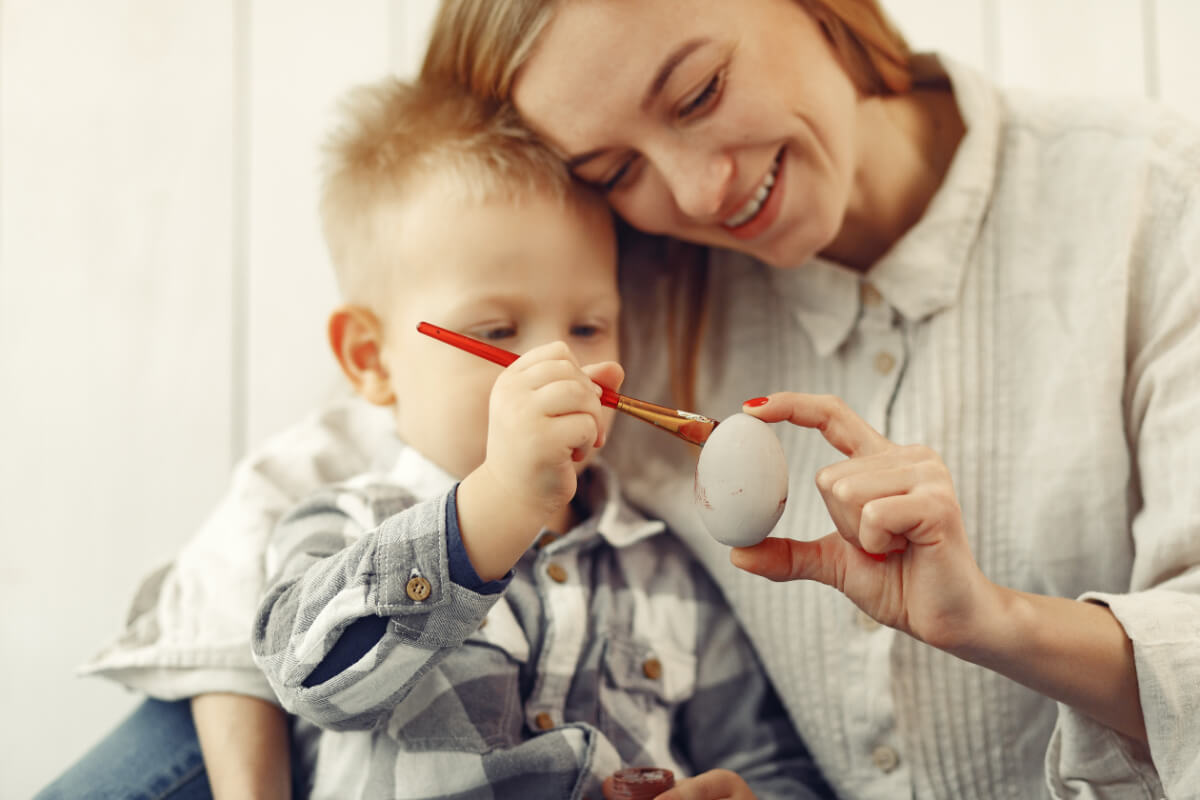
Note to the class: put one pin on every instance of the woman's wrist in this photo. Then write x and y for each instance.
(1071, 651)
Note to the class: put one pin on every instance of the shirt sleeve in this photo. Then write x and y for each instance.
(1161, 611)
(187, 630)
(335, 566)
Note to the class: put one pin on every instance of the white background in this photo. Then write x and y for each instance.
(163, 285)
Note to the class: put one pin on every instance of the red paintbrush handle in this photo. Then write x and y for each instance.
(496, 355)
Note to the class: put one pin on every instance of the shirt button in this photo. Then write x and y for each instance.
(884, 363)
(871, 295)
(483, 623)
(545, 539)
(885, 759)
(557, 573)
(544, 721)
(652, 668)
(865, 620)
(417, 589)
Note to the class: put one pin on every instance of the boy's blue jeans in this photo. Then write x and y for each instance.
(153, 755)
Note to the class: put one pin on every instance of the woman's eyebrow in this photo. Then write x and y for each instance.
(668, 66)
(663, 75)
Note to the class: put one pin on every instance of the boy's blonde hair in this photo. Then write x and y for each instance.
(394, 135)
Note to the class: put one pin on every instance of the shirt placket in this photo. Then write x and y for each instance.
(876, 360)
(563, 596)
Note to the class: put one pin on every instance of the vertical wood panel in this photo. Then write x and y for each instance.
(957, 29)
(115, 283)
(1078, 46)
(1177, 25)
(302, 57)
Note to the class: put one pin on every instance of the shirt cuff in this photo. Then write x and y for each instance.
(461, 570)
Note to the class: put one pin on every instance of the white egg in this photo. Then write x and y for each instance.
(741, 481)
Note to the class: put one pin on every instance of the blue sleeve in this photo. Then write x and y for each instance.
(462, 571)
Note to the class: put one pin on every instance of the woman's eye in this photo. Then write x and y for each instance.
(615, 179)
(703, 99)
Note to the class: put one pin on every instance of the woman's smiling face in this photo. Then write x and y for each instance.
(729, 124)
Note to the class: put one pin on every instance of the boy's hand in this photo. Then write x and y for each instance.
(716, 784)
(544, 416)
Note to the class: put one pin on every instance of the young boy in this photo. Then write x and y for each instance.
(480, 614)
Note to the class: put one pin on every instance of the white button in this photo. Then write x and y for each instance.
(885, 759)
(865, 621)
(885, 362)
(871, 295)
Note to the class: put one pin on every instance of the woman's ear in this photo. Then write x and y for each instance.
(356, 337)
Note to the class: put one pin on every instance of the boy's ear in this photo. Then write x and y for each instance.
(356, 337)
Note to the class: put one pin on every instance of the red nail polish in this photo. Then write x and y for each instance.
(756, 402)
(876, 556)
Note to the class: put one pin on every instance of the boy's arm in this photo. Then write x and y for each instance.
(245, 744)
(735, 721)
(383, 587)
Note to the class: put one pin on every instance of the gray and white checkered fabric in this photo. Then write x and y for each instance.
(539, 691)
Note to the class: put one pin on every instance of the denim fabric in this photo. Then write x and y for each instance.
(152, 755)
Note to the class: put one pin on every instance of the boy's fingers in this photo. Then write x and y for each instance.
(606, 373)
(826, 413)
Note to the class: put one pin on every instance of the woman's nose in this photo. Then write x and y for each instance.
(700, 183)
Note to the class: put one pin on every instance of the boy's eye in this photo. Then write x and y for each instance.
(703, 99)
(585, 331)
(496, 333)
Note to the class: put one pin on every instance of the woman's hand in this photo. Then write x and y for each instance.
(900, 551)
(716, 784)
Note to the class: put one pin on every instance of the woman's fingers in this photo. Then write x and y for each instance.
(826, 413)
(848, 487)
(886, 522)
(788, 560)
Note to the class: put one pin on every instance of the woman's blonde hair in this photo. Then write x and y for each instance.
(481, 45)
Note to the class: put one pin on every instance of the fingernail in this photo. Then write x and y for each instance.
(757, 401)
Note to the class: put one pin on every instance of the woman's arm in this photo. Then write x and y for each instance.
(900, 553)
(245, 744)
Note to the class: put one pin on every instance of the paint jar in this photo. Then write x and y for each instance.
(639, 783)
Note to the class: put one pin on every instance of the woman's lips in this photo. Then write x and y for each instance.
(766, 214)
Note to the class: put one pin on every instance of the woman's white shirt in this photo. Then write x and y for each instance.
(1040, 329)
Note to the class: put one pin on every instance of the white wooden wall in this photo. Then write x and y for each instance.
(163, 285)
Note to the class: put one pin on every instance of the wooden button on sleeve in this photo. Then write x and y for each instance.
(417, 588)
(652, 668)
(544, 721)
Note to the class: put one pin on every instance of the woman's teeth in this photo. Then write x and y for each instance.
(755, 203)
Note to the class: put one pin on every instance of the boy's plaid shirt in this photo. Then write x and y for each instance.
(609, 648)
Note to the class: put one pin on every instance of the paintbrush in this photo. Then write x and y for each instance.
(692, 428)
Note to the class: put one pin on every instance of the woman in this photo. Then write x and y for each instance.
(1012, 282)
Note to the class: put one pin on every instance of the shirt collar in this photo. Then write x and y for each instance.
(403, 465)
(611, 518)
(923, 272)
